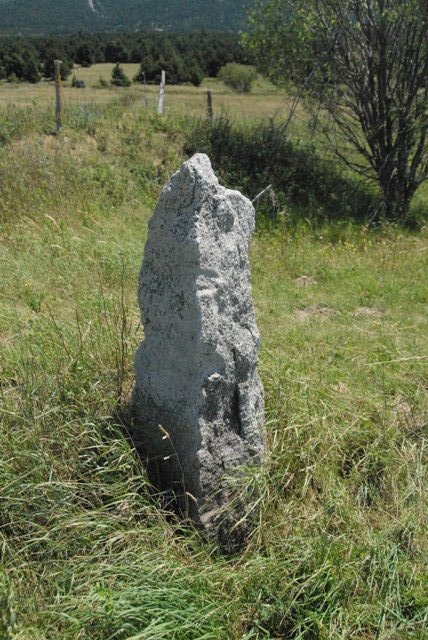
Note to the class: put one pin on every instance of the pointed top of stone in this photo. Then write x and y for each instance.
(195, 177)
(198, 168)
(199, 164)
(194, 196)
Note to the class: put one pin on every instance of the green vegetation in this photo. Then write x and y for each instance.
(184, 57)
(365, 65)
(340, 546)
(255, 154)
(119, 77)
(47, 17)
(239, 77)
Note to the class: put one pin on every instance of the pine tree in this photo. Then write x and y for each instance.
(119, 77)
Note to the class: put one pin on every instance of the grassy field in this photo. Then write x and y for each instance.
(264, 101)
(339, 551)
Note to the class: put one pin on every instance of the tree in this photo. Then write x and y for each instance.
(31, 71)
(53, 49)
(85, 55)
(23, 66)
(366, 62)
(116, 52)
(193, 72)
(119, 77)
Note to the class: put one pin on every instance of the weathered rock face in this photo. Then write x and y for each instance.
(196, 371)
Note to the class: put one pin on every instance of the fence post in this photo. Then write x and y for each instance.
(209, 105)
(59, 95)
(145, 98)
(161, 93)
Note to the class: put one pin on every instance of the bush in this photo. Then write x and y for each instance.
(252, 156)
(103, 83)
(119, 77)
(238, 77)
(13, 79)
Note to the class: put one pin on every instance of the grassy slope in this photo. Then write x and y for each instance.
(85, 553)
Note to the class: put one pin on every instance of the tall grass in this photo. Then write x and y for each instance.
(86, 550)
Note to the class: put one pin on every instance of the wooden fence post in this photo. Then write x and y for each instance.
(161, 93)
(209, 105)
(59, 95)
(145, 98)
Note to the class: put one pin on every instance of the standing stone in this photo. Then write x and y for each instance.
(198, 400)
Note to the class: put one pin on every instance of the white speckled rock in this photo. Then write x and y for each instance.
(196, 371)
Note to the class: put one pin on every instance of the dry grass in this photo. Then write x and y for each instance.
(263, 101)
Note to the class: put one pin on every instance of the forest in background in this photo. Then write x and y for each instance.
(184, 57)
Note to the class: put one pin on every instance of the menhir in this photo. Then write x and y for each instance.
(198, 401)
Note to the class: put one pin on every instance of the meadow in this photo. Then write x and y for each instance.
(181, 100)
(86, 552)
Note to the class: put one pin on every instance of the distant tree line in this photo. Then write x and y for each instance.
(184, 57)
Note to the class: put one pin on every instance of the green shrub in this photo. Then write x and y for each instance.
(252, 156)
(238, 77)
(119, 77)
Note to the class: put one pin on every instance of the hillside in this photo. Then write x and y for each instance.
(86, 550)
(48, 16)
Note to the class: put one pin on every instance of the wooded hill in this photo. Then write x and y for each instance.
(52, 17)
(187, 57)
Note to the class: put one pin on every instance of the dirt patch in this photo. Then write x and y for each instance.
(78, 147)
(401, 406)
(340, 387)
(367, 312)
(305, 281)
(319, 311)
